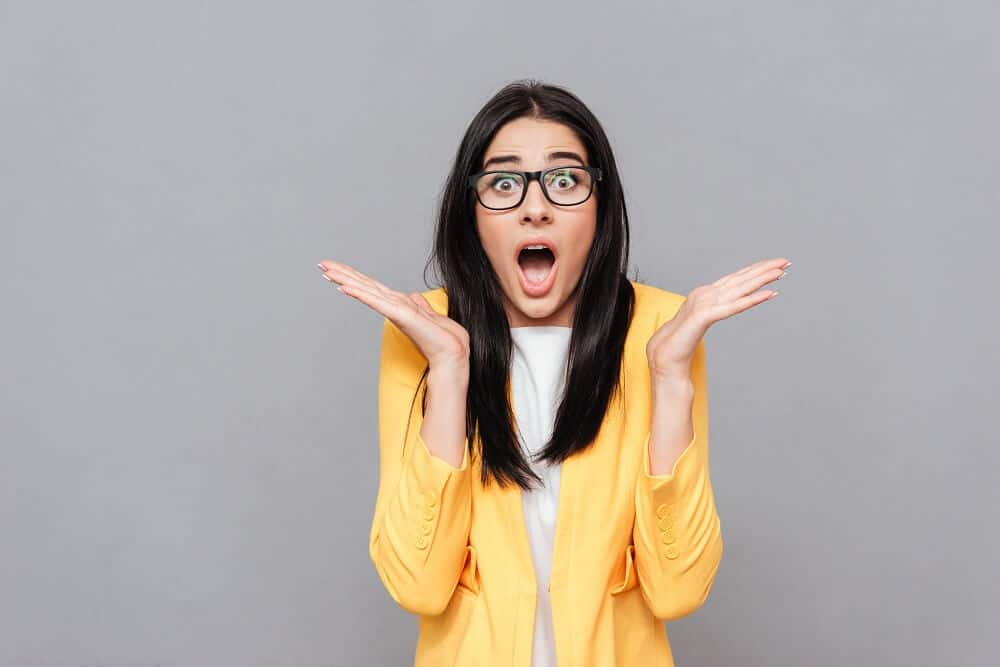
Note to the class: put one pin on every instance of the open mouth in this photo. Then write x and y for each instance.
(537, 270)
(536, 264)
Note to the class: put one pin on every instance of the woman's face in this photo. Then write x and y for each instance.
(537, 291)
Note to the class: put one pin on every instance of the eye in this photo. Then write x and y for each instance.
(505, 182)
(561, 179)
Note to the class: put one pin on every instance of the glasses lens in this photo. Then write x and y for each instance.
(500, 189)
(568, 185)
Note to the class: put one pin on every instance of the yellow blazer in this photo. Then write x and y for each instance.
(631, 549)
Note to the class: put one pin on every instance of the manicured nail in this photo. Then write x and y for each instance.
(773, 295)
(321, 267)
(783, 274)
(787, 264)
(328, 278)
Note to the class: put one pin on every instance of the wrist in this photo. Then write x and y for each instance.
(448, 373)
(672, 384)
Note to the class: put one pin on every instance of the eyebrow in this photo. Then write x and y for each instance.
(513, 159)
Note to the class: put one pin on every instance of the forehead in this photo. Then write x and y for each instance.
(532, 138)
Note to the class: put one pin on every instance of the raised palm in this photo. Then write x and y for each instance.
(439, 338)
(671, 348)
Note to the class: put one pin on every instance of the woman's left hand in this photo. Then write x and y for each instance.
(672, 347)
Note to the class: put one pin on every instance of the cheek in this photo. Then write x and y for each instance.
(581, 241)
(491, 236)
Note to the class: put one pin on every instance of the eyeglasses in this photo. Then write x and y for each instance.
(563, 186)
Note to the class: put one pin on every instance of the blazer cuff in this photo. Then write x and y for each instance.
(429, 486)
(436, 465)
(670, 506)
(682, 474)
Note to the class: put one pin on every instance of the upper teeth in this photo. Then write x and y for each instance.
(535, 247)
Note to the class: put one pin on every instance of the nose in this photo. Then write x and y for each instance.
(535, 207)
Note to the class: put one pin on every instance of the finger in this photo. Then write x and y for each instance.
(736, 306)
(342, 276)
(351, 271)
(753, 269)
(753, 282)
(339, 277)
(357, 287)
(374, 301)
(387, 306)
(389, 303)
(341, 269)
(336, 274)
(736, 274)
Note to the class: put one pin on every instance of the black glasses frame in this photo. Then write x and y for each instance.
(529, 176)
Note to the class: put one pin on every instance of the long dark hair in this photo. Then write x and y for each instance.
(604, 294)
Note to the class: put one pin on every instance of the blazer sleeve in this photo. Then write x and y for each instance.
(677, 531)
(423, 510)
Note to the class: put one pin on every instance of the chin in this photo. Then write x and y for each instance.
(542, 308)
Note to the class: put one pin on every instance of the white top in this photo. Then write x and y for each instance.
(538, 374)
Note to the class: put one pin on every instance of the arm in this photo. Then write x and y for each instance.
(677, 532)
(423, 511)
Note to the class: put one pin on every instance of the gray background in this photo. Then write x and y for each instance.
(189, 418)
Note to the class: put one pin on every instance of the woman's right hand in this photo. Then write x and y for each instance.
(442, 340)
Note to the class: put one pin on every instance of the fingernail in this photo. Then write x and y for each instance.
(787, 264)
(783, 274)
(328, 278)
(321, 267)
(773, 295)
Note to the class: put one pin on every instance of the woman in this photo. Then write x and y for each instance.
(544, 484)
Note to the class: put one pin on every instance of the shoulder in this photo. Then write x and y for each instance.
(438, 299)
(651, 299)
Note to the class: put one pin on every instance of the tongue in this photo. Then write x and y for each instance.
(536, 266)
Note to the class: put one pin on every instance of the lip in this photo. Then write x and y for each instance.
(544, 288)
